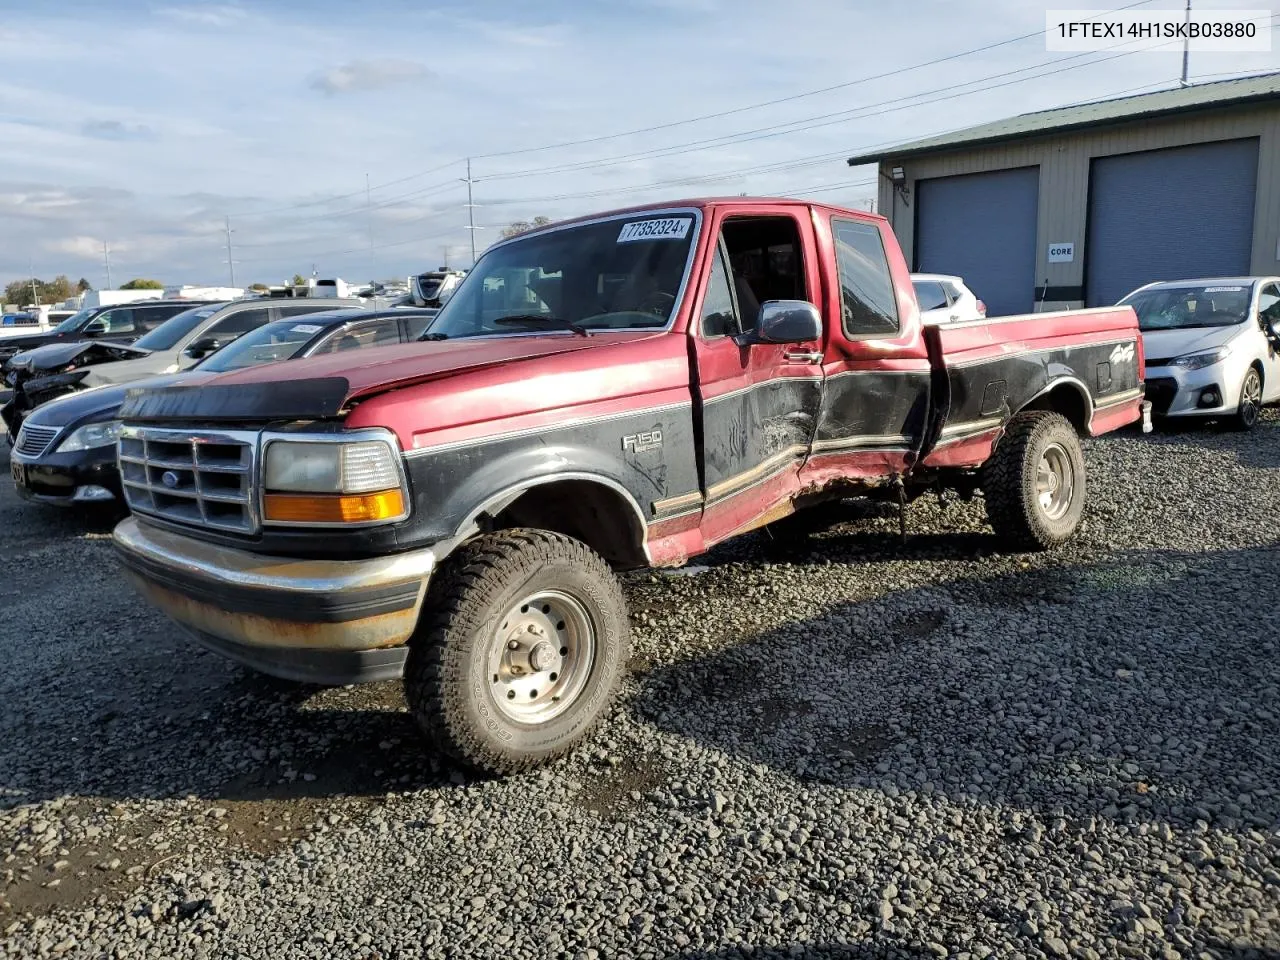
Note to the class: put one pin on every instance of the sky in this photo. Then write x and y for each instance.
(332, 136)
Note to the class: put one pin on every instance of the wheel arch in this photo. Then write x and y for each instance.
(590, 507)
(1067, 396)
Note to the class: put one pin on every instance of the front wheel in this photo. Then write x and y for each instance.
(1034, 482)
(1250, 406)
(523, 640)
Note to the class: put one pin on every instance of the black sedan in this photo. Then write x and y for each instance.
(65, 452)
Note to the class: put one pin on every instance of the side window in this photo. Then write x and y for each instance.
(416, 325)
(1269, 303)
(301, 308)
(148, 318)
(242, 321)
(766, 262)
(118, 321)
(931, 295)
(719, 318)
(376, 333)
(867, 304)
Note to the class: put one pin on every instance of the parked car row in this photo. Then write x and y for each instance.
(65, 451)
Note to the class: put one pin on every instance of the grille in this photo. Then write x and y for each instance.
(1161, 391)
(200, 478)
(33, 441)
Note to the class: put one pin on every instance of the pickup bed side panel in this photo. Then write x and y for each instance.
(997, 367)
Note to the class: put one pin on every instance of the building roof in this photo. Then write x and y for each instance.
(1199, 96)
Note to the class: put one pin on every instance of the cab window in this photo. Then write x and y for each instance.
(867, 304)
(766, 262)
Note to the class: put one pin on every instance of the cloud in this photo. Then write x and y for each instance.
(75, 246)
(206, 15)
(360, 75)
(116, 130)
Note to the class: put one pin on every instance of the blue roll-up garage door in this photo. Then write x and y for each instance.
(982, 227)
(1169, 215)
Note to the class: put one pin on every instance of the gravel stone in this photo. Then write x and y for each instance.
(842, 747)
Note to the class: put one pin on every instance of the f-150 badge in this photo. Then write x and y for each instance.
(640, 442)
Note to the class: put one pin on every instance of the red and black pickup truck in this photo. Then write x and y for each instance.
(614, 392)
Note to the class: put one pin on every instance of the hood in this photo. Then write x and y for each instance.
(318, 387)
(28, 341)
(131, 369)
(56, 357)
(1167, 344)
(97, 403)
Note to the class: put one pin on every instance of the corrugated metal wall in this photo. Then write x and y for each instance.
(1064, 163)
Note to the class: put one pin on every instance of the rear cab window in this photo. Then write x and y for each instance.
(868, 307)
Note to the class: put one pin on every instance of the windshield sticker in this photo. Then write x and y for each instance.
(306, 328)
(669, 228)
(1222, 289)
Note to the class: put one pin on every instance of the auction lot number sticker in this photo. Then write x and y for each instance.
(668, 228)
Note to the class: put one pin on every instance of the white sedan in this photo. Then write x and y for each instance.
(1210, 346)
(946, 299)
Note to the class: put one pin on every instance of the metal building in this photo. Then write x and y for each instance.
(1079, 205)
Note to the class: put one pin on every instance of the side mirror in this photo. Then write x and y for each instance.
(1273, 327)
(787, 321)
(201, 348)
(95, 328)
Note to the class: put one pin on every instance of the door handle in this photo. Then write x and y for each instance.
(803, 356)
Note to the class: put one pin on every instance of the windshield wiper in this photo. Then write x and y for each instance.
(516, 319)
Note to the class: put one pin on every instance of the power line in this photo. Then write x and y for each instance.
(788, 99)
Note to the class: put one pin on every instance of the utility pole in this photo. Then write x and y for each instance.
(35, 294)
(368, 205)
(471, 214)
(231, 263)
(1186, 49)
(106, 261)
(445, 251)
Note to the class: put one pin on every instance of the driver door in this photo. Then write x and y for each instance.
(758, 402)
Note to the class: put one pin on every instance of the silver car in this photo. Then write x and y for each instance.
(1211, 346)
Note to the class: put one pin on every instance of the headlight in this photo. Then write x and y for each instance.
(91, 435)
(356, 481)
(1197, 361)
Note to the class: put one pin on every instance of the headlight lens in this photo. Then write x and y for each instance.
(333, 483)
(91, 435)
(1197, 361)
(302, 467)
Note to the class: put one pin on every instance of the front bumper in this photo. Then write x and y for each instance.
(71, 479)
(320, 621)
(1176, 392)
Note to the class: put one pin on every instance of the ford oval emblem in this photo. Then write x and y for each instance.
(169, 479)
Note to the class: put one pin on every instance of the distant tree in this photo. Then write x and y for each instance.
(83, 285)
(520, 226)
(298, 280)
(48, 291)
(140, 283)
(259, 287)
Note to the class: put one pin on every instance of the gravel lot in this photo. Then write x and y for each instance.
(849, 749)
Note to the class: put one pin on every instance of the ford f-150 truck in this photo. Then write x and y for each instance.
(608, 393)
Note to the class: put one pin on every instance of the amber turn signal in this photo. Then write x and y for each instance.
(333, 507)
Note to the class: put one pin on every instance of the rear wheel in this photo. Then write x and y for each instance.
(522, 643)
(1034, 482)
(1249, 408)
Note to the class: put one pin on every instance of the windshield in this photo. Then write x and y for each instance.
(613, 274)
(1195, 305)
(275, 341)
(176, 327)
(73, 322)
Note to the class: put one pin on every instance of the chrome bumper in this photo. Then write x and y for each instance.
(326, 621)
